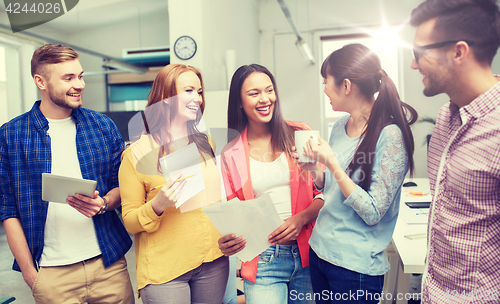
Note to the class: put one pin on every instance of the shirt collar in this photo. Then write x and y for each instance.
(77, 115)
(41, 122)
(483, 104)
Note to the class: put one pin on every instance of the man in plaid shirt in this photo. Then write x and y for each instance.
(454, 46)
(69, 252)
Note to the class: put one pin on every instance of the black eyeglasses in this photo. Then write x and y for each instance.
(419, 50)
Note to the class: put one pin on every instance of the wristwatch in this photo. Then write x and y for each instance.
(104, 206)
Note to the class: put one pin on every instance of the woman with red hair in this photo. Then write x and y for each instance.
(178, 259)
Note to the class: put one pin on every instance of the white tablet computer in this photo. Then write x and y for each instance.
(56, 188)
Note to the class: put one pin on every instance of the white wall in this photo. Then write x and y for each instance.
(215, 115)
(228, 25)
(186, 20)
(217, 26)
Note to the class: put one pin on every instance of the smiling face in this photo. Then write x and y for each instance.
(433, 63)
(258, 98)
(65, 84)
(189, 96)
(332, 91)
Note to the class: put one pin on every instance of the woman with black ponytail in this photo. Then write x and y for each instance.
(368, 155)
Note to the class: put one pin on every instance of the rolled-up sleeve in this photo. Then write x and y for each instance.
(389, 169)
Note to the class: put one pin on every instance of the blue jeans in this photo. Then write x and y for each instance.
(231, 295)
(280, 278)
(332, 283)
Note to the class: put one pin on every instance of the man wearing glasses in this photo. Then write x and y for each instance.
(454, 46)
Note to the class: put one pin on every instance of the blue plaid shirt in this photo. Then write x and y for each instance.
(25, 153)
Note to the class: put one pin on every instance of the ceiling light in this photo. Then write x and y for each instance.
(305, 50)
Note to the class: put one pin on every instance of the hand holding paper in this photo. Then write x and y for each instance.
(252, 220)
(230, 244)
(168, 194)
(288, 231)
(187, 162)
(180, 179)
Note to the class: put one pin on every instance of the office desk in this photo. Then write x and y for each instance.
(410, 252)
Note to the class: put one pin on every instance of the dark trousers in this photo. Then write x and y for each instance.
(334, 284)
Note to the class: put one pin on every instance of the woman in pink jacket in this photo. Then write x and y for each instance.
(256, 161)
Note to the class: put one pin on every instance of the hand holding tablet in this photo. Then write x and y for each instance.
(56, 188)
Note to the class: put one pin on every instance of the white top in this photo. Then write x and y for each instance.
(70, 236)
(273, 178)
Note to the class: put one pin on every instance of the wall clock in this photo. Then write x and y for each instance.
(185, 47)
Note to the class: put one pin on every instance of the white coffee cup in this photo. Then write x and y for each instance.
(301, 138)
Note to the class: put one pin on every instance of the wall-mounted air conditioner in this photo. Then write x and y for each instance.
(156, 56)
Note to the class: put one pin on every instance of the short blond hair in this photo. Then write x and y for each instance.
(50, 54)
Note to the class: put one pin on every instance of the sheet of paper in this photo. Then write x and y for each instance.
(187, 161)
(254, 220)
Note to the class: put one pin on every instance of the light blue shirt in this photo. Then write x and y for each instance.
(354, 232)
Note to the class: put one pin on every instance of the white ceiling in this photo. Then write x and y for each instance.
(88, 14)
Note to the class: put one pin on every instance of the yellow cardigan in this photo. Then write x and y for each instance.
(174, 243)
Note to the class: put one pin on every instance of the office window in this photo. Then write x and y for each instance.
(387, 52)
(3, 88)
(3, 72)
(17, 90)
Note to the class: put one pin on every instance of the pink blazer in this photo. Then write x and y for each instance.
(236, 175)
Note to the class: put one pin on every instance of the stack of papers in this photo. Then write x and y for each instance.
(254, 220)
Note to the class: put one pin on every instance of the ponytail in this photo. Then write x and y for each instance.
(387, 109)
(362, 67)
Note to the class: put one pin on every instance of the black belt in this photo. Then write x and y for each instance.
(88, 260)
